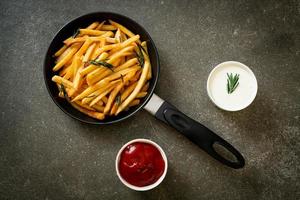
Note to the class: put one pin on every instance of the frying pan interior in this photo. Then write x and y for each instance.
(82, 22)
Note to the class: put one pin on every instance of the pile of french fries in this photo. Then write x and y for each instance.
(103, 69)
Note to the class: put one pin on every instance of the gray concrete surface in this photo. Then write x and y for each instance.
(44, 154)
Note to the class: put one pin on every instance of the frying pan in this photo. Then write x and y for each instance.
(162, 110)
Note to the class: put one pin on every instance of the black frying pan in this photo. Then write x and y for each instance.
(196, 132)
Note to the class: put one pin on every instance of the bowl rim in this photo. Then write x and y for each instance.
(251, 99)
(147, 187)
(140, 106)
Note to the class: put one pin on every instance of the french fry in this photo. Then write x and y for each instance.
(145, 87)
(141, 95)
(137, 89)
(96, 94)
(122, 28)
(136, 76)
(84, 47)
(95, 54)
(60, 51)
(92, 67)
(70, 41)
(84, 106)
(104, 99)
(99, 26)
(64, 47)
(125, 43)
(61, 80)
(127, 91)
(89, 52)
(91, 32)
(112, 75)
(100, 74)
(99, 108)
(144, 45)
(66, 59)
(134, 103)
(108, 28)
(112, 97)
(118, 35)
(111, 40)
(98, 98)
(93, 114)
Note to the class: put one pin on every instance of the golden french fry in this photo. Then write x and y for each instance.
(94, 53)
(98, 98)
(122, 28)
(99, 26)
(146, 56)
(114, 109)
(91, 32)
(134, 103)
(64, 47)
(61, 80)
(99, 108)
(119, 54)
(137, 89)
(108, 28)
(93, 114)
(84, 106)
(94, 95)
(136, 76)
(141, 95)
(104, 99)
(66, 59)
(111, 40)
(125, 43)
(89, 52)
(112, 97)
(93, 25)
(60, 51)
(127, 91)
(92, 67)
(70, 41)
(84, 47)
(145, 88)
(118, 35)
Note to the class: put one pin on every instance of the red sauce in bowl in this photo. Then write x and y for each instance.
(141, 164)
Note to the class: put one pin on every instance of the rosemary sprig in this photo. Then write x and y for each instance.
(122, 78)
(102, 63)
(140, 56)
(63, 90)
(232, 82)
(118, 99)
(75, 33)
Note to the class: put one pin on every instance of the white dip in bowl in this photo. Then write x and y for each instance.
(244, 93)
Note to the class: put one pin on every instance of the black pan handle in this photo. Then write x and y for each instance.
(198, 134)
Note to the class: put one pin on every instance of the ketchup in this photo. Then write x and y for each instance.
(141, 164)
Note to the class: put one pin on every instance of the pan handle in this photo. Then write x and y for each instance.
(193, 130)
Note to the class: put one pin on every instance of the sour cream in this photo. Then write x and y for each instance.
(242, 96)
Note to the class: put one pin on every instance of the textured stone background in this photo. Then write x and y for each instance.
(44, 154)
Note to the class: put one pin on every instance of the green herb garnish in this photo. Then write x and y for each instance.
(232, 82)
(75, 33)
(140, 56)
(122, 78)
(102, 63)
(63, 90)
(118, 99)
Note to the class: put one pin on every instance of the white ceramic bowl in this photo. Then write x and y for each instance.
(244, 94)
(148, 187)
